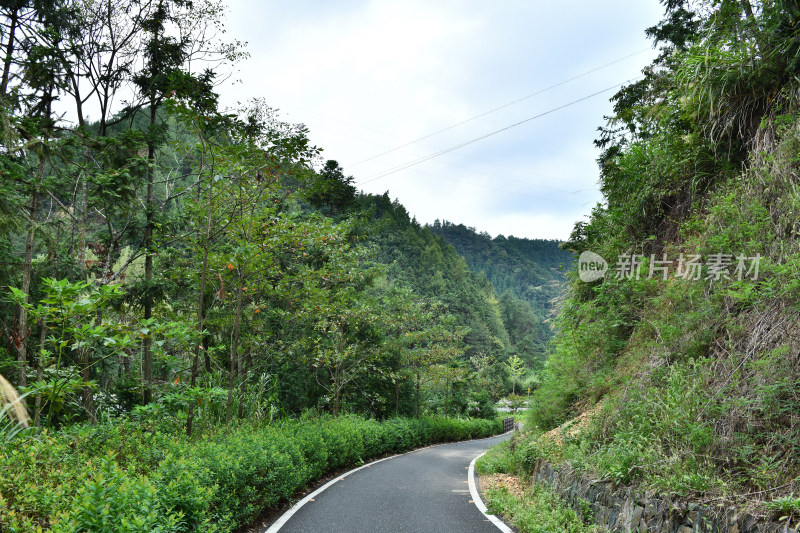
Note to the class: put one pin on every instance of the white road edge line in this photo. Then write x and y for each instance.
(275, 527)
(476, 497)
(278, 524)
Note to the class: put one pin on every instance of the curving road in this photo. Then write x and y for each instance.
(422, 491)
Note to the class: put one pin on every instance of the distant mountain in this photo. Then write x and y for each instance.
(528, 274)
(525, 267)
(422, 260)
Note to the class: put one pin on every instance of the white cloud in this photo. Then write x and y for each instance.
(367, 75)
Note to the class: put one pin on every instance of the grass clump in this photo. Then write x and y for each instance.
(538, 510)
(531, 509)
(786, 507)
(497, 460)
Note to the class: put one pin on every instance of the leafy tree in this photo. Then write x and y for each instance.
(331, 191)
(166, 74)
(30, 63)
(210, 263)
(516, 367)
(67, 310)
(429, 342)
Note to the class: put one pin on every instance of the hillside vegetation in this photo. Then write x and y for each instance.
(528, 274)
(698, 370)
(175, 258)
(182, 283)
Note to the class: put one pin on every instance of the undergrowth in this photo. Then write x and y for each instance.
(537, 509)
(146, 475)
(699, 378)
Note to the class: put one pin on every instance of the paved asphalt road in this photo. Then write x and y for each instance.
(425, 491)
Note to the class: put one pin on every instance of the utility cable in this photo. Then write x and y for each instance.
(540, 91)
(495, 132)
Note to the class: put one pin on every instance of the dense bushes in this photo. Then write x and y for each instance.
(140, 476)
(699, 378)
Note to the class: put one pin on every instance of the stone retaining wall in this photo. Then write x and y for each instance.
(621, 510)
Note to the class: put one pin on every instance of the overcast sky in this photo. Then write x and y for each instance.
(367, 76)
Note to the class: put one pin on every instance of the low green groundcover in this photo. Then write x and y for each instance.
(139, 476)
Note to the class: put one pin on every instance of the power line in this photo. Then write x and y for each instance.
(495, 132)
(509, 178)
(540, 91)
(493, 163)
(524, 182)
(408, 143)
(507, 191)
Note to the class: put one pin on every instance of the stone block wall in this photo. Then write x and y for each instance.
(620, 509)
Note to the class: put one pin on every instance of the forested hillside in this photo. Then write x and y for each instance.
(170, 251)
(526, 267)
(690, 341)
(181, 280)
(423, 261)
(528, 274)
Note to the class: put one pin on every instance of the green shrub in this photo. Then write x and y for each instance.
(311, 444)
(186, 487)
(143, 476)
(117, 501)
(528, 453)
(786, 506)
(498, 460)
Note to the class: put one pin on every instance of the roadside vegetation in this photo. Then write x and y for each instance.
(141, 475)
(531, 508)
(200, 313)
(698, 371)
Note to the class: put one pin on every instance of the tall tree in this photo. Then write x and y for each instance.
(332, 190)
(166, 74)
(516, 368)
(30, 59)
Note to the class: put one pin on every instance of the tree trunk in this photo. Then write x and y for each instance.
(200, 303)
(9, 52)
(243, 384)
(88, 397)
(419, 379)
(84, 215)
(37, 402)
(27, 271)
(206, 358)
(240, 367)
(236, 357)
(337, 393)
(147, 356)
(397, 398)
(238, 323)
(446, 397)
